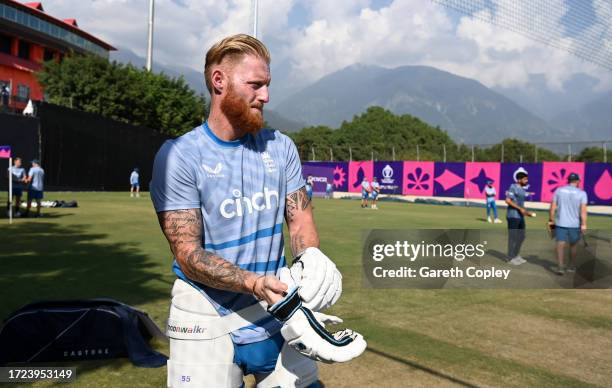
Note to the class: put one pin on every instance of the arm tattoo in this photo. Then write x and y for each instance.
(297, 244)
(296, 201)
(183, 229)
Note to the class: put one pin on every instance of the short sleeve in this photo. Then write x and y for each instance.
(511, 193)
(174, 183)
(583, 198)
(293, 168)
(556, 197)
(31, 172)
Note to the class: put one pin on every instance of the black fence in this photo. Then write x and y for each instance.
(81, 151)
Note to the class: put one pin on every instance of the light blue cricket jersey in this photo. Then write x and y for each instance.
(17, 174)
(134, 178)
(38, 175)
(517, 194)
(240, 187)
(569, 200)
(365, 185)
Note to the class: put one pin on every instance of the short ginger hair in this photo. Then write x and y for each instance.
(233, 47)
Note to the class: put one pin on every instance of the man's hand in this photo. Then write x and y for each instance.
(269, 288)
(583, 228)
(304, 331)
(318, 279)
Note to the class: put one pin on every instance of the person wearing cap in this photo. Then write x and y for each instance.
(36, 176)
(568, 212)
(19, 179)
(135, 183)
(515, 216)
(490, 193)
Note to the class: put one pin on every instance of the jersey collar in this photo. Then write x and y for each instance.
(223, 143)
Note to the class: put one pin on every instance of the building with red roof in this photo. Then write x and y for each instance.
(28, 37)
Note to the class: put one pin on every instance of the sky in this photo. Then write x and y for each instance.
(311, 38)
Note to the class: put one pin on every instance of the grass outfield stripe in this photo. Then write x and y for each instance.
(457, 360)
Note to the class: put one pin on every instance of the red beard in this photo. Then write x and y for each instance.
(239, 112)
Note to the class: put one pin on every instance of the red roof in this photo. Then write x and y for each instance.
(72, 22)
(37, 6)
(69, 24)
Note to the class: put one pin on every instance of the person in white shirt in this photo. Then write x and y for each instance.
(490, 194)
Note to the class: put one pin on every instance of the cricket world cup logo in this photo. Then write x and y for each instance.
(387, 174)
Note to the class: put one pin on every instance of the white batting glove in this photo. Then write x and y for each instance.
(303, 332)
(318, 279)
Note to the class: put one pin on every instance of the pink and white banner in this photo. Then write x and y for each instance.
(357, 171)
(468, 180)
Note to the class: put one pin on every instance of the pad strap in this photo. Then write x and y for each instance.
(211, 328)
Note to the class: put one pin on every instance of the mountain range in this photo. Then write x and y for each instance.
(469, 111)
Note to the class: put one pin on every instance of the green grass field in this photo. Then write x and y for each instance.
(111, 246)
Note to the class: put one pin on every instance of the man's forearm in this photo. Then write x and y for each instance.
(513, 205)
(303, 238)
(551, 212)
(298, 212)
(183, 229)
(212, 270)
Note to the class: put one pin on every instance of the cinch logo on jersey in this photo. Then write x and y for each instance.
(236, 207)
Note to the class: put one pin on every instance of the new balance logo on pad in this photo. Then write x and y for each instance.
(239, 205)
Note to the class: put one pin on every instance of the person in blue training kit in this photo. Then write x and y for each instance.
(309, 184)
(36, 177)
(328, 190)
(490, 194)
(135, 183)
(365, 192)
(221, 193)
(374, 194)
(515, 216)
(19, 180)
(570, 205)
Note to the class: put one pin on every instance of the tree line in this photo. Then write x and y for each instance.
(139, 97)
(123, 93)
(380, 134)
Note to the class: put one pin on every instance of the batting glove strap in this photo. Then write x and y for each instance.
(286, 307)
(304, 333)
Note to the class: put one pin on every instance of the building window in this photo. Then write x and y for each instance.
(23, 93)
(48, 55)
(5, 44)
(24, 50)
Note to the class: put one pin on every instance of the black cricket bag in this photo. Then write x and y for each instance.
(75, 330)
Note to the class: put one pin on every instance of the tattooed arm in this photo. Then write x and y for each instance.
(183, 229)
(300, 221)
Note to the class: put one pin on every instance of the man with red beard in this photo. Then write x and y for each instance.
(222, 192)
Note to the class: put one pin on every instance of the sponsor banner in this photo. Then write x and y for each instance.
(463, 180)
(473, 258)
(389, 176)
(476, 176)
(418, 178)
(534, 171)
(554, 175)
(598, 183)
(5, 152)
(357, 171)
(323, 172)
(449, 179)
